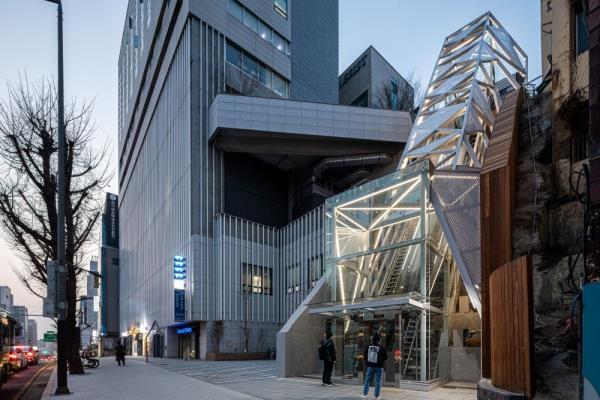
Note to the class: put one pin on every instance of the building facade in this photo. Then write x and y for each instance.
(6, 298)
(371, 81)
(90, 306)
(108, 308)
(21, 315)
(32, 333)
(220, 194)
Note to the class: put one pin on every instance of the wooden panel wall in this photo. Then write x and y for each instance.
(511, 327)
(497, 193)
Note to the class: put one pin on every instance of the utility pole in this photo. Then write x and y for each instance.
(61, 301)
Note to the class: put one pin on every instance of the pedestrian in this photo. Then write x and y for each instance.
(327, 354)
(120, 353)
(374, 357)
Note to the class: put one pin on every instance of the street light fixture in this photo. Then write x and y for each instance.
(61, 372)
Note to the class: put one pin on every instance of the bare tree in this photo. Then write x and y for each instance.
(407, 95)
(28, 188)
(217, 331)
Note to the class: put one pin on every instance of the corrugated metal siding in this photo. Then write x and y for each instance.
(299, 242)
(158, 196)
(289, 251)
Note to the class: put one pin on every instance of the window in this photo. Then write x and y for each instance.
(580, 30)
(288, 50)
(394, 95)
(315, 270)
(278, 42)
(281, 6)
(293, 278)
(259, 26)
(279, 86)
(236, 10)
(264, 75)
(362, 100)
(264, 31)
(250, 66)
(234, 56)
(257, 279)
(250, 20)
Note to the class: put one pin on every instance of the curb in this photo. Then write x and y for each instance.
(50, 387)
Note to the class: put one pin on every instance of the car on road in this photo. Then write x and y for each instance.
(7, 340)
(17, 359)
(31, 354)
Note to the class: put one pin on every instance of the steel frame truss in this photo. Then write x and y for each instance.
(454, 122)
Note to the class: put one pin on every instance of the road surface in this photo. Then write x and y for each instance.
(28, 384)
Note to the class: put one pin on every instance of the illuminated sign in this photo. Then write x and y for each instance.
(179, 277)
(184, 330)
(96, 303)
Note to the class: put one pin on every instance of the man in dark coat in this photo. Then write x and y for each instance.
(374, 357)
(120, 353)
(328, 350)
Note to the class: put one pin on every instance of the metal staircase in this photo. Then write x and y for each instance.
(410, 348)
(395, 274)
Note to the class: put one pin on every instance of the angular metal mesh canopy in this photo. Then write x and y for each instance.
(461, 102)
(393, 236)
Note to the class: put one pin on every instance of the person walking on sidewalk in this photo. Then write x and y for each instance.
(120, 353)
(327, 354)
(374, 357)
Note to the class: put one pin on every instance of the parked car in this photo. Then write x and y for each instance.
(31, 354)
(4, 365)
(17, 359)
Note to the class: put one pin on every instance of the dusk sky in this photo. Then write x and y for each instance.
(408, 34)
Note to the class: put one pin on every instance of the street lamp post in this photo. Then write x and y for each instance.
(61, 373)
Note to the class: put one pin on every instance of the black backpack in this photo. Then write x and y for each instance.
(323, 351)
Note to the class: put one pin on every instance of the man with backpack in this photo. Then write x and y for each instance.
(374, 356)
(327, 354)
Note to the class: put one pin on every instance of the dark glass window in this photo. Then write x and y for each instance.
(279, 86)
(281, 6)
(264, 75)
(362, 100)
(581, 30)
(278, 42)
(250, 20)
(315, 270)
(257, 279)
(264, 31)
(234, 55)
(250, 66)
(236, 10)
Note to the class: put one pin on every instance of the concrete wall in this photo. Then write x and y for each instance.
(298, 341)
(465, 364)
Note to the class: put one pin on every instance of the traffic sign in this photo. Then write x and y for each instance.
(50, 336)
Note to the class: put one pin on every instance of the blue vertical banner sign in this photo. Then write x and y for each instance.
(179, 278)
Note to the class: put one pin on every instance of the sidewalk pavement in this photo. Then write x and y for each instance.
(138, 381)
(220, 380)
